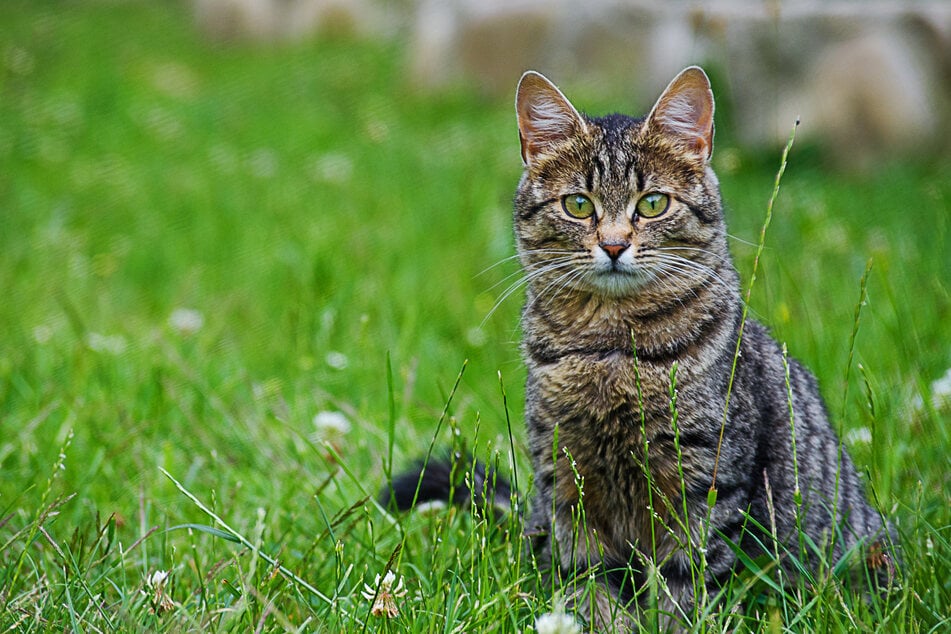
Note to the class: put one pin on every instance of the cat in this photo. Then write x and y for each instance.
(630, 328)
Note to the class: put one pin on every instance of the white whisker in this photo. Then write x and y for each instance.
(560, 283)
(542, 268)
(515, 256)
(741, 240)
(535, 266)
(683, 265)
(677, 265)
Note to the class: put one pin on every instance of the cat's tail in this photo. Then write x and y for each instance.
(449, 481)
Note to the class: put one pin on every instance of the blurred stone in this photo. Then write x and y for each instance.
(870, 96)
(277, 20)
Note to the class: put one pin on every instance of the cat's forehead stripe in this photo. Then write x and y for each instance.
(596, 174)
(633, 175)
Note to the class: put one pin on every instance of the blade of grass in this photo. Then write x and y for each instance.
(711, 499)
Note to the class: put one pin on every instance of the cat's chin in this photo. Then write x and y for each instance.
(617, 283)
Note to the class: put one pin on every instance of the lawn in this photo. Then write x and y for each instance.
(242, 284)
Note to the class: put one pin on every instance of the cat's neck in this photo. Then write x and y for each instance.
(658, 324)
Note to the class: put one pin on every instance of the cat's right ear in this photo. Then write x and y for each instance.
(546, 119)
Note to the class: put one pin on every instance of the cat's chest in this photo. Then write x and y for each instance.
(601, 386)
(611, 416)
(603, 464)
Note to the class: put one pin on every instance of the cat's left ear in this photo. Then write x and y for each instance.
(685, 112)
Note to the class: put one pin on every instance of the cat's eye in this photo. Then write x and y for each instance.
(652, 205)
(577, 206)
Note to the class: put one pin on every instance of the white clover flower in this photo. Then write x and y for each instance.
(331, 425)
(157, 595)
(941, 391)
(157, 579)
(113, 344)
(859, 436)
(42, 334)
(476, 337)
(186, 321)
(337, 360)
(385, 592)
(557, 622)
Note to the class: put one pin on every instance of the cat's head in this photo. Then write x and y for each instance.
(616, 205)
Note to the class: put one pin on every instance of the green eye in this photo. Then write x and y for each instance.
(652, 205)
(577, 206)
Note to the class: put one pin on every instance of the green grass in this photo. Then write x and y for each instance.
(330, 224)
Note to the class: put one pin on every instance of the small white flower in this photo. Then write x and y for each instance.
(113, 344)
(186, 321)
(331, 425)
(476, 337)
(941, 391)
(157, 595)
(263, 163)
(385, 592)
(337, 360)
(157, 579)
(557, 622)
(859, 436)
(42, 334)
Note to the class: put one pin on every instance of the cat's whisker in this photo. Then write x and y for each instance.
(741, 240)
(535, 266)
(560, 283)
(516, 256)
(702, 276)
(683, 249)
(497, 264)
(677, 266)
(548, 267)
(669, 270)
(684, 265)
(670, 254)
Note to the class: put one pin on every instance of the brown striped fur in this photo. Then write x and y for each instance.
(603, 337)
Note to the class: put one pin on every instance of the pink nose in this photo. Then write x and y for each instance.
(614, 249)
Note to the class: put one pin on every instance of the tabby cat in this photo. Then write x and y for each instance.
(631, 323)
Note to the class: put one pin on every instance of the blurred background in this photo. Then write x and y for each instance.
(867, 78)
(253, 242)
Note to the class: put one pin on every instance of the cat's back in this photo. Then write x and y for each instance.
(801, 468)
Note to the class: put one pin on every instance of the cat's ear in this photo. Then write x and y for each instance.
(546, 118)
(685, 112)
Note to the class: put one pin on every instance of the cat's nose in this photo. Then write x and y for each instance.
(614, 249)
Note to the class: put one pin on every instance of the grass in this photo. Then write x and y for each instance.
(330, 227)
